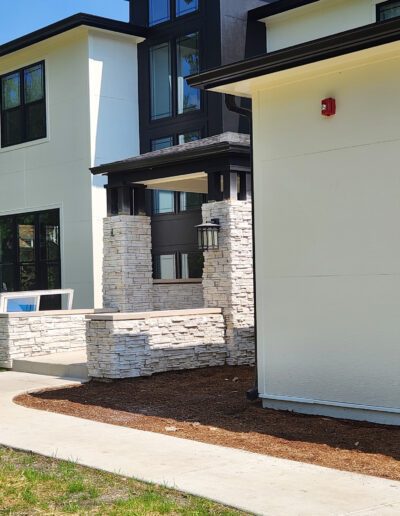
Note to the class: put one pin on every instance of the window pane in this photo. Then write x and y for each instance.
(26, 238)
(188, 64)
(390, 11)
(159, 11)
(35, 121)
(7, 278)
(34, 84)
(162, 143)
(160, 70)
(13, 127)
(186, 6)
(49, 236)
(192, 265)
(27, 279)
(165, 267)
(6, 240)
(190, 201)
(163, 201)
(11, 91)
(192, 136)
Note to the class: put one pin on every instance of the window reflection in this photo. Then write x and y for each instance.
(188, 64)
(186, 6)
(159, 11)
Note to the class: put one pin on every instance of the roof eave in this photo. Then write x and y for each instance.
(265, 11)
(213, 150)
(354, 40)
(72, 22)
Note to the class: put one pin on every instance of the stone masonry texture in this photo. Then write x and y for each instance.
(26, 336)
(177, 296)
(127, 265)
(228, 277)
(141, 347)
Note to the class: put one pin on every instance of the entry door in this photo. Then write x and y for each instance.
(30, 254)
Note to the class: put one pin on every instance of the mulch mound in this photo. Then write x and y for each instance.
(209, 405)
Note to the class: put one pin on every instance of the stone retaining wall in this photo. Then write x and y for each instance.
(24, 335)
(177, 296)
(131, 345)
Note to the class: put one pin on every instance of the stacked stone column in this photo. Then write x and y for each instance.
(127, 266)
(228, 276)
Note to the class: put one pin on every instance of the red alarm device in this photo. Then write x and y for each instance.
(328, 107)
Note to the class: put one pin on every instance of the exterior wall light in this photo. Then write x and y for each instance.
(208, 235)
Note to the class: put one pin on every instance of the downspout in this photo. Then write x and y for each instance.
(230, 102)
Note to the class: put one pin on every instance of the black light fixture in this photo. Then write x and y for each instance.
(208, 235)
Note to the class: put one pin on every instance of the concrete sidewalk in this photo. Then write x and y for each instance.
(255, 483)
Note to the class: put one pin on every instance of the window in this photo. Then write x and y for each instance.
(191, 201)
(162, 143)
(187, 64)
(160, 77)
(163, 202)
(388, 10)
(191, 136)
(178, 266)
(23, 106)
(30, 253)
(186, 6)
(159, 11)
(168, 72)
(165, 267)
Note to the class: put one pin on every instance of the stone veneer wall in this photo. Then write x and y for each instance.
(127, 265)
(36, 334)
(177, 296)
(131, 345)
(228, 277)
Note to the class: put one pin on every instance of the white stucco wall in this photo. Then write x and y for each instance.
(317, 20)
(92, 113)
(327, 217)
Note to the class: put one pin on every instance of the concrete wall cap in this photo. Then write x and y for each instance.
(153, 315)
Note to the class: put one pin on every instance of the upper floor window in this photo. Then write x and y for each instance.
(186, 6)
(170, 64)
(388, 10)
(161, 88)
(159, 11)
(188, 64)
(23, 106)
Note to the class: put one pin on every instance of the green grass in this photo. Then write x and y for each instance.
(34, 485)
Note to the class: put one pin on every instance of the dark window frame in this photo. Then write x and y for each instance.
(38, 262)
(23, 105)
(178, 265)
(173, 17)
(175, 136)
(177, 204)
(173, 48)
(380, 8)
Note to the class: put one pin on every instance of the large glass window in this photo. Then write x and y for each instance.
(163, 202)
(23, 106)
(161, 88)
(186, 6)
(30, 253)
(159, 11)
(188, 64)
(164, 267)
(189, 201)
(388, 10)
(178, 266)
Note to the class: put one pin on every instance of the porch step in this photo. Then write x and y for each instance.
(64, 365)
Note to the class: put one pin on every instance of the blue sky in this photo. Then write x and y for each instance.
(19, 17)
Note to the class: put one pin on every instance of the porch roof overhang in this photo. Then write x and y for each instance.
(217, 154)
(277, 7)
(237, 78)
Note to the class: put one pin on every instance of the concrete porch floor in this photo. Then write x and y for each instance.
(63, 365)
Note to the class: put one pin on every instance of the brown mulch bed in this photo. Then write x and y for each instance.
(209, 405)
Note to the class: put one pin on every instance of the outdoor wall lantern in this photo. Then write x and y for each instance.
(208, 235)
